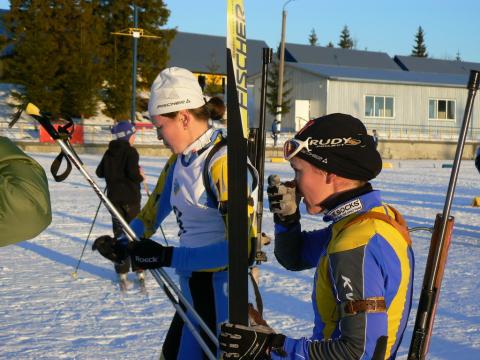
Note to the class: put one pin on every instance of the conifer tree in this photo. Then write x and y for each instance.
(346, 41)
(64, 52)
(56, 54)
(330, 44)
(419, 49)
(272, 86)
(117, 60)
(83, 77)
(152, 52)
(312, 38)
(36, 62)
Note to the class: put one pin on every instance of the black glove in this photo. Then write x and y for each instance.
(283, 201)
(111, 248)
(250, 342)
(148, 254)
(145, 254)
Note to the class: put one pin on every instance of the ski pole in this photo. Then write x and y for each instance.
(74, 273)
(145, 186)
(186, 320)
(437, 255)
(159, 274)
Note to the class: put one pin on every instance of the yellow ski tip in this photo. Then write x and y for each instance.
(74, 275)
(387, 165)
(476, 201)
(277, 160)
(31, 109)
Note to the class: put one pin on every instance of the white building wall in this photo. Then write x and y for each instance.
(304, 86)
(411, 105)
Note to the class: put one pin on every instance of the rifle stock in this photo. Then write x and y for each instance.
(429, 297)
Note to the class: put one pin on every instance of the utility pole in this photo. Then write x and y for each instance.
(278, 115)
(135, 37)
(136, 33)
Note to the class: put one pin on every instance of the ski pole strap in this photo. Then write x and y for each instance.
(254, 317)
(258, 296)
(398, 222)
(56, 166)
(64, 133)
(368, 305)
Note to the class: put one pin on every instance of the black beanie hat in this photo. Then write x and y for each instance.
(339, 144)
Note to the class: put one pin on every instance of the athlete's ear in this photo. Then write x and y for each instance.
(330, 177)
(185, 118)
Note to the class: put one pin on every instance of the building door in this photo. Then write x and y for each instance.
(302, 113)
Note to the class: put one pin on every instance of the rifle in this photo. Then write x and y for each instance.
(440, 242)
(256, 152)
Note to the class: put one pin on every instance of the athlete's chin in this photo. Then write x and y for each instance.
(313, 209)
(170, 147)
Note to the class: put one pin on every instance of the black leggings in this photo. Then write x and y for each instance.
(128, 212)
(202, 293)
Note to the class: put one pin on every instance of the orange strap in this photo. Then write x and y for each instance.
(369, 305)
(398, 223)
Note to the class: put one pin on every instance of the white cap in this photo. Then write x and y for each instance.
(175, 89)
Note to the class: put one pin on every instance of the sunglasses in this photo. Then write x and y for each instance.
(293, 146)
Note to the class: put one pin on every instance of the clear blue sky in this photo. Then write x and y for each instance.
(376, 25)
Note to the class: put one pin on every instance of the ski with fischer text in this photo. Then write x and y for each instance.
(237, 127)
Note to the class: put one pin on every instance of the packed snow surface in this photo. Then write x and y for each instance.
(46, 313)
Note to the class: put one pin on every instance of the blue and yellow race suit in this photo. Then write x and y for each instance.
(368, 260)
(201, 259)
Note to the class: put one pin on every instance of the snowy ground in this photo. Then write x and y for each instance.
(46, 314)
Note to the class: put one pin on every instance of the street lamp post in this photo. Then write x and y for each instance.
(278, 116)
(136, 33)
(135, 36)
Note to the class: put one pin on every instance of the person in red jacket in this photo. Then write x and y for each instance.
(121, 170)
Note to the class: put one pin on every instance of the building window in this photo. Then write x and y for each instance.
(379, 106)
(439, 109)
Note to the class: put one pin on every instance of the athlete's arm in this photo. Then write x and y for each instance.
(299, 250)
(158, 205)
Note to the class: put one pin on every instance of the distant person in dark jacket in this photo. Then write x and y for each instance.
(276, 128)
(375, 137)
(121, 170)
(477, 159)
